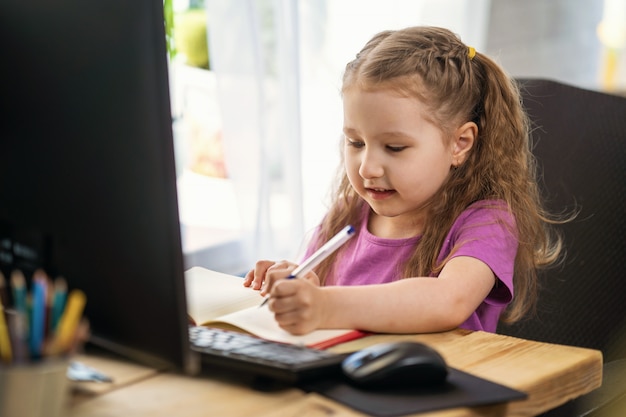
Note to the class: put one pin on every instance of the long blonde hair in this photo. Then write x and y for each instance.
(457, 85)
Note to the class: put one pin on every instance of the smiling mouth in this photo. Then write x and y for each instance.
(379, 193)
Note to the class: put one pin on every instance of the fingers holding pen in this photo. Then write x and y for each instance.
(277, 272)
(294, 305)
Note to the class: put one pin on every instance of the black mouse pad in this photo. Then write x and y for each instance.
(460, 390)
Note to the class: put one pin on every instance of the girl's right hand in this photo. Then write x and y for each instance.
(266, 273)
(255, 277)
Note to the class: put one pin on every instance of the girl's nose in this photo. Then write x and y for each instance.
(371, 166)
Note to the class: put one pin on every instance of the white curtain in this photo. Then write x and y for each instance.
(253, 48)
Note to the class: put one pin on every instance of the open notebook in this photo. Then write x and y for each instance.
(220, 300)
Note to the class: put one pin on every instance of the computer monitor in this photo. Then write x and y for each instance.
(87, 175)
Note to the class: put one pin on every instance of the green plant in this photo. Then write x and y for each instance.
(168, 14)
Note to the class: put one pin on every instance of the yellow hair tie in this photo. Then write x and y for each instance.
(471, 52)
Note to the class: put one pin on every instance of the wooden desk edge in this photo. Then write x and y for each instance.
(574, 382)
(580, 373)
(577, 372)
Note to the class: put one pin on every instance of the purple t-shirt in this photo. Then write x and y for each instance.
(485, 231)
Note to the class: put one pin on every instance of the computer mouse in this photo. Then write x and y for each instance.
(403, 363)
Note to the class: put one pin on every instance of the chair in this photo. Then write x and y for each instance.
(580, 145)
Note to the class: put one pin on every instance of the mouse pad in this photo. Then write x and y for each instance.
(460, 390)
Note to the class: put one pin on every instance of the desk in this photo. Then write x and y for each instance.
(550, 375)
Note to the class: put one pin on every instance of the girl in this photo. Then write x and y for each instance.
(439, 181)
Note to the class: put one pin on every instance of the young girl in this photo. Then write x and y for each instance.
(439, 181)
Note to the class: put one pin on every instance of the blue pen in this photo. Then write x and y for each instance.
(322, 253)
(38, 319)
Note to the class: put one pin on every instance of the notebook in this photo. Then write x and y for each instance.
(215, 299)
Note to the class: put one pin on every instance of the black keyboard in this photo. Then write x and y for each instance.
(246, 353)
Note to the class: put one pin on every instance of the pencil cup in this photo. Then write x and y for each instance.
(34, 389)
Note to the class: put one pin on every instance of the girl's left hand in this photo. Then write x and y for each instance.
(297, 305)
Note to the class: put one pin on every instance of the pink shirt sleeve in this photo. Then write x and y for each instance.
(488, 234)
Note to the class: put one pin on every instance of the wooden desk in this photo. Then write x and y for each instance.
(550, 374)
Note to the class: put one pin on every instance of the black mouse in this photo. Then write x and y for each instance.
(396, 364)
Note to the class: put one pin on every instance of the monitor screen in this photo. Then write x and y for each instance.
(87, 175)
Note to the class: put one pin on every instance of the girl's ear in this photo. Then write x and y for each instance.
(464, 138)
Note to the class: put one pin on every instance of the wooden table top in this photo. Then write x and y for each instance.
(550, 374)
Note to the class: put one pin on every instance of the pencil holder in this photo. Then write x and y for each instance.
(38, 389)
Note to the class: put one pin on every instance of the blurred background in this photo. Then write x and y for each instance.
(257, 111)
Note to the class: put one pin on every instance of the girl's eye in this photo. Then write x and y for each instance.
(355, 143)
(396, 148)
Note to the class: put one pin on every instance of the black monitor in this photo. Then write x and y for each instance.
(87, 175)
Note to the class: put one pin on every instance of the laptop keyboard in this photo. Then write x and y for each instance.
(246, 353)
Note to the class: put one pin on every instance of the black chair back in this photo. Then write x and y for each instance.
(580, 144)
